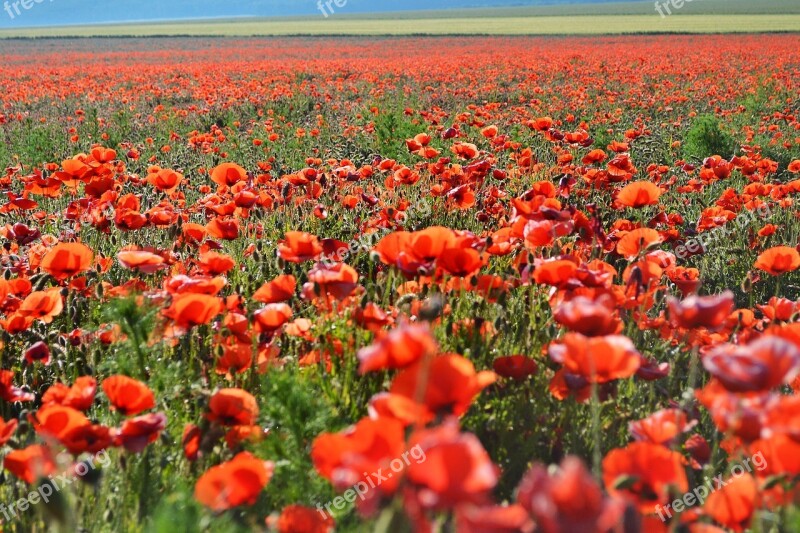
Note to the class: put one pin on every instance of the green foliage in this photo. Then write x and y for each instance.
(707, 137)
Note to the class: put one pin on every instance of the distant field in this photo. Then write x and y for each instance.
(434, 25)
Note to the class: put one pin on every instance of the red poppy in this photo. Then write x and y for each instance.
(493, 519)
(31, 463)
(567, 499)
(597, 359)
(662, 427)
(517, 367)
(734, 504)
(43, 305)
(189, 310)
(589, 317)
(9, 392)
(272, 317)
(400, 348)
(141, 260)
(644, 474)
(778, 260)
(701, 311)
(127, 395)
(80, 396)
(232, 407)
(228, 174)
(454, 468)
(65, 260)
(637, 241)
(449, 383)
(233, 483)
(278, 290)
(37, 352)
(136, 433)
(639, 194)
(301, 519)
(298, 247)
(764, 364)
(7, 429)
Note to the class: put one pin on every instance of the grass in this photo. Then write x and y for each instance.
(498, 25)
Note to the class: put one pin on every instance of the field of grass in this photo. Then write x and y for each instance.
(520, 25)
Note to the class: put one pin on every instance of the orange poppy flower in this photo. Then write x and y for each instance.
(398, 407)
(639, 194)
(272, 317)
(597, 359)
(764, 364)
(400, 348)
(164, 179)
(701, 311)
(456, 468)
(223, 228)
(141, 260)
(735, 504)
(636, 241)
(136, 433)
(346, 458)
(43, 305)
(127, 395)
(461, 261)
(278, 290)
(232, 407)
(589, 317)
(336, 281)
(31, 463)
(449, 385)
(65, 260)
(215, 263)
(301, 519)
(778, 260)
(299, 247)
(7, 429)
(516, 367)
(58, 421)
(662, 427)
(557, 272)
(11, 393)
(228, 174)
(80, 396)
(233, 483)
(567, 499)
(644, 474)
(188, 310)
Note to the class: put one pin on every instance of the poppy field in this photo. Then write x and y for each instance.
(452, 284)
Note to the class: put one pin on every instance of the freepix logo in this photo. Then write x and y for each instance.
(15, 8)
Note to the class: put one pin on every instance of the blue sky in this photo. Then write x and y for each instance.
(21, 13)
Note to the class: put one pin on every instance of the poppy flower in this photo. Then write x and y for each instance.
(214, 263)
(7, 429)
(567, 499)
(398, 407)
(80, 396)
(493, 518)
(637, 241)
(299, 247)
(449, 383)
(302, 519)
(517, 367)
(65, 260)
(272, 317)
(9, 392)
(228, 174)
(700, 311)
(164, 179)
(232, 407)
(233, 483)
(31, 463)
(58, 421)
(597, 359)
(761, 365)
(557, 272)
(136, 433)
(589, 317)
(38, 351)
(278, 290)
(189, 310)
(778, 260)
(460, 261)
(735, 504)
(42, 305)
(400, 348)
(190, 440)
(644, 474)
(456, 468)
(337, 281)
(127, 395)
(344, 458)
(661, 427)
(639, 194)
(141, 260)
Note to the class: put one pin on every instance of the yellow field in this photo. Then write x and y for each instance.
(534, 25)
